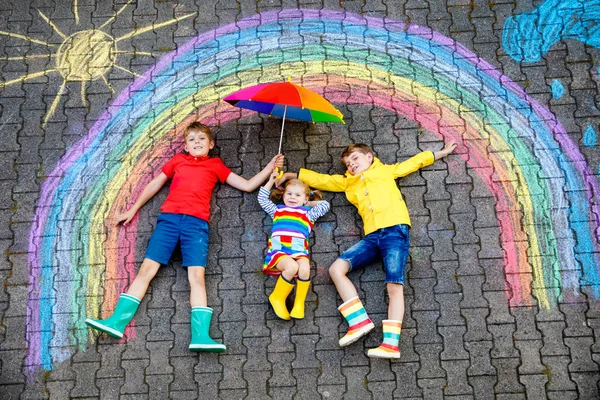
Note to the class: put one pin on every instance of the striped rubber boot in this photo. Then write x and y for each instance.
(391, 337)
(359, 323)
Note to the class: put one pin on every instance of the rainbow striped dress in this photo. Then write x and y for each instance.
(291, 229)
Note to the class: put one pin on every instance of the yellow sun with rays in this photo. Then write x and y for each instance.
(84, 56)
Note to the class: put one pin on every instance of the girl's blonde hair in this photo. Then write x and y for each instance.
(277, 195)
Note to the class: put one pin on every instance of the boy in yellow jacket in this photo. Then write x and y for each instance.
(371, 186)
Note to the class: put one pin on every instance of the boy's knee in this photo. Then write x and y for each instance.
(395, 289)
(339, 268)
(196, 276)
(148, 269)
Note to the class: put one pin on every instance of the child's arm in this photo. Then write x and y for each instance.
(263, 195)
(330, 183)
(272, 178)
(249, 185)
(421, 160)
(448, 148)
(318, 210)
(149, 191)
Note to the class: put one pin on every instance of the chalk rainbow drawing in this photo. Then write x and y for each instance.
(528, 36)
(547, 197)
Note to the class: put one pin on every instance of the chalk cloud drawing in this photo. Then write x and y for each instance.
(527, 37)
(548, 228)
(83, 56)
(557, 89)
(590, 138)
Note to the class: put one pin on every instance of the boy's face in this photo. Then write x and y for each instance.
(294, 196)
(358, 162)
(198, 144)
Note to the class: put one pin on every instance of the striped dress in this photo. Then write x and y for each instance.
(291, 229)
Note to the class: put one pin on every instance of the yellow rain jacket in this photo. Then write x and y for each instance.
(374, 192)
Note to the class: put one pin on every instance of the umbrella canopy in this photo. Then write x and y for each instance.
(286, 100)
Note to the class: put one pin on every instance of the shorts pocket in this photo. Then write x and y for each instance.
(297, 244)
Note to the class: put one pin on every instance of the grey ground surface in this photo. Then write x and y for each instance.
(462, 338)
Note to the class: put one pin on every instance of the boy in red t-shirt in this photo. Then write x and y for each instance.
(184, 217)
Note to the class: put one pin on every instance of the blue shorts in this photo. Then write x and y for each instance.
(190, 231)
(388, 244)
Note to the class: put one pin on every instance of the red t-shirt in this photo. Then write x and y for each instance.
(192, 182)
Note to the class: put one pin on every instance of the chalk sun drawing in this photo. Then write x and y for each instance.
(546, 195)
(83, 56)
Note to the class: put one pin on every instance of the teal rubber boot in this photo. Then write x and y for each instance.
(115, 324)
(200, 325)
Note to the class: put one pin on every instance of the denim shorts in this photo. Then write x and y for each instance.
(388, 244)
(190, 231)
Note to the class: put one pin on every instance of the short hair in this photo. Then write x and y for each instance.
(360, 147)
(197, 126)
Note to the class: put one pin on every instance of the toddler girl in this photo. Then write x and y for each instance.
(288, 245)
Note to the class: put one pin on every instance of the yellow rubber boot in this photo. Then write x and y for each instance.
(301, 292)
(282, 290)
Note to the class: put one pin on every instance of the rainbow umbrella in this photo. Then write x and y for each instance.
(286, 100)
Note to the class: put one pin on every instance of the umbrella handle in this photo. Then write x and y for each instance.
(280, 172)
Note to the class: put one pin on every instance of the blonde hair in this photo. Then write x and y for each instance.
(277, 195)
(200, 127)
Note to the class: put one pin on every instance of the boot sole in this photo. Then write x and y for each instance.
(209, 348)
(366, 329)
(391, 356)
(103, 328)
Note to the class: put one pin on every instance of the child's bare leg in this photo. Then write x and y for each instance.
(359, 323)
(396, 306)
(197, 287)
(303, 269)
(288, 267)
(128, 302)
(147, 271)
(338, 271)
(391, 326)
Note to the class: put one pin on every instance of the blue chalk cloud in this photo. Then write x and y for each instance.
(527, 37)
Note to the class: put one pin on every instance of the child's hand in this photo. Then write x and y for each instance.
(273, 176)
(448, 148)
(126, 217)
(277, 161)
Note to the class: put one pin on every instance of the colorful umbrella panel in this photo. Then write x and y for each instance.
(286, 100)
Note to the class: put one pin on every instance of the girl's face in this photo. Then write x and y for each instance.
(294, 196)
